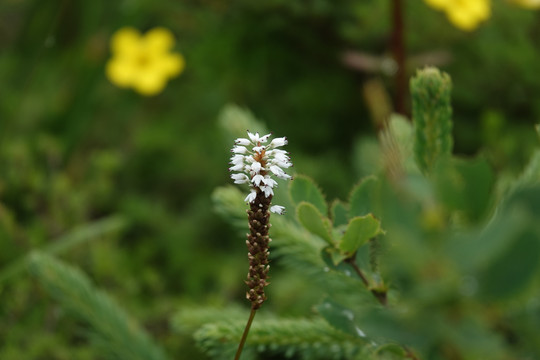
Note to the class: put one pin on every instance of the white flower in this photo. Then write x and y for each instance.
(279, 142)
(239, 150)
(256, 179)
(277, 209)
(240, 178)
(267, 191)
(255, 164)
(243, 142)
(251, 196)
(256, 167)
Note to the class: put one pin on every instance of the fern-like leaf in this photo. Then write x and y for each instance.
(113, 331)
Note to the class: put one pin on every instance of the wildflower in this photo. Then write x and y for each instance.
(255, 163)
(464, 14)
(143, 62)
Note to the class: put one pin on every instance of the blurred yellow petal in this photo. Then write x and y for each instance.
(462, 21)
(159, 39)
(125, 40)
(478, 8)
(468, 14)
(174, 64)
(149, 83)
(120, 72)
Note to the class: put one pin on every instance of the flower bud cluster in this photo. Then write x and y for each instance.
(255, 163)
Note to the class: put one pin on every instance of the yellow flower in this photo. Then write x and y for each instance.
(143, 62)
(529, 4)
(464, 14)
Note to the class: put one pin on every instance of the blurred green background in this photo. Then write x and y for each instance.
(75, 149)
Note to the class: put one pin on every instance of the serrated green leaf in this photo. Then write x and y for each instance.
(358, 233)
(339, 213)
(302, 188)
(311, 218)
(362, 197)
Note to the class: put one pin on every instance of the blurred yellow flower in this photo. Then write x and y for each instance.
(529, 4)
(464, 14)
(143, 62)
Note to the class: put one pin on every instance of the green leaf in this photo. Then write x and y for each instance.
(464, 185)
(514, 269)
(358, 233)
(77, 236)
(117, 334)
(362, 197)
(311, 218)
(340, 317)
(334, 259)
(371, 322)
(302, 188)
(339, 213)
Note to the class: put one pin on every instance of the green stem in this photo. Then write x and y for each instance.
(245, 334)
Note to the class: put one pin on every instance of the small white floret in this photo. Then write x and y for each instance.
(239, 150)
(240, 178)
(277, 142)
(264, 138)
(268, 181)
(267, 191)
(242, 141)
(237, 167)
(256, 167)
(257, 179)
(253, 137)
(277, 209)
(276, 170)
(251, 197)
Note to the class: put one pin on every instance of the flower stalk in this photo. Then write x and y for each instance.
(256, 162)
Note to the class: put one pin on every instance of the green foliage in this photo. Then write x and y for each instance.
(447, 275)
(290, 338)
(313, 221)
(118, 336)
(304, 189)
(362, 200)
(464, 185)
(432, 116)
(78, 236)
(359, 230)
(76, 151)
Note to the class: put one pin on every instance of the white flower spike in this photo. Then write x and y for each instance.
(255, 164)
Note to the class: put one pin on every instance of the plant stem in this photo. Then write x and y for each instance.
(379, 295)
(398, 51)
(245, 334)
(359, 271)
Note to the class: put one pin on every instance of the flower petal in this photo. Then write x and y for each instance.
(125, 40)
(251, 196)
(159, 39)
(277, 209)
(120, 71)
(149, 83)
